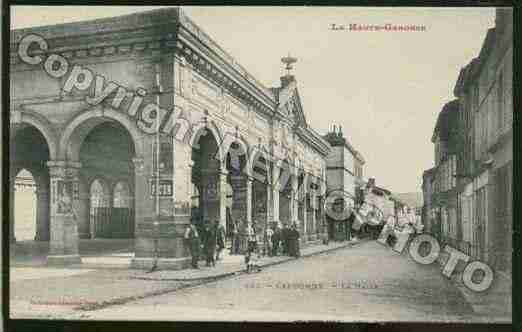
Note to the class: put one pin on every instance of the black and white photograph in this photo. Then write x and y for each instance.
(259, 164)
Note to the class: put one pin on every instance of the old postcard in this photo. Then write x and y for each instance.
(347, 164)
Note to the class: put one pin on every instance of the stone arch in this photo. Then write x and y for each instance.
(206, 173)
(254, 154)
(229, 139)
(80, 126)
(227, 144)
(21, 118)
(200, 130)
(33, 142)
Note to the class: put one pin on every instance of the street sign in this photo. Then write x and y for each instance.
(165, 187)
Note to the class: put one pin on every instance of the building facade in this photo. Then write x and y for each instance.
(484, 88)
(147, 118)
(344, 170)
(482, 154)
(344, 164)
(444, 198)
(427, 213)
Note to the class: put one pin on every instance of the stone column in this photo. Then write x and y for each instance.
(159, 233)
(313, 229)
(142, 216)
(317, 227)
(42, 214)
(12, 238)
(294, 216)
(275, 194)
(269, 203)
(304, 191)
(249, 199)
(223, 198)
(190, 165)
(63, 246)
(140, 188)
(321, 206)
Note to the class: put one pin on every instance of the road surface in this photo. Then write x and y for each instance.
(368, 282)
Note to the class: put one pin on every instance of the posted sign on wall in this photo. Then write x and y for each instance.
(165, 187)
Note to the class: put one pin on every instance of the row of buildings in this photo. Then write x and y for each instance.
(468, 191)
(344, 174)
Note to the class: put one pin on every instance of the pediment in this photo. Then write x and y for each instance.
(290, 105)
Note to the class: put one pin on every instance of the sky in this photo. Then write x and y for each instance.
(384, 88)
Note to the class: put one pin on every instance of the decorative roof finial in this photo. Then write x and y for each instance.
(288, 61)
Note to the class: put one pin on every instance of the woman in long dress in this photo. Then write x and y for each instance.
(210, 244)
(293, 241)
(251, 245)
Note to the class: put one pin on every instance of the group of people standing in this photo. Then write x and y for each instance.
(276, 240)
(211, 237)
(283, 241)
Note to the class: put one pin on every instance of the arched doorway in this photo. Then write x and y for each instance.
(285, 192)
(25, 205)
(236, 161)
(260, 189)
(205, 177)
(105, 154)
(29, 208)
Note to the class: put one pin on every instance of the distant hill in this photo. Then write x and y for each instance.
(410, 199)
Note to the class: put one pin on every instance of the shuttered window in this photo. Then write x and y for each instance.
(500, 101)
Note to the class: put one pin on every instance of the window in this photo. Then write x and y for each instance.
(507, 101)
(476, 136)
(452, 223)
(503, 183)
(448, 173)
(446, 182)
(121, 197)
(453, 172)
(436, 153)
(485, 125)
(480, 221)
(465, 206)
(500, 101)
(444, 222)
(446, 176)
(475, 98)
(483, 131)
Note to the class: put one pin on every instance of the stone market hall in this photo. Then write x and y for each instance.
(117, 168)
